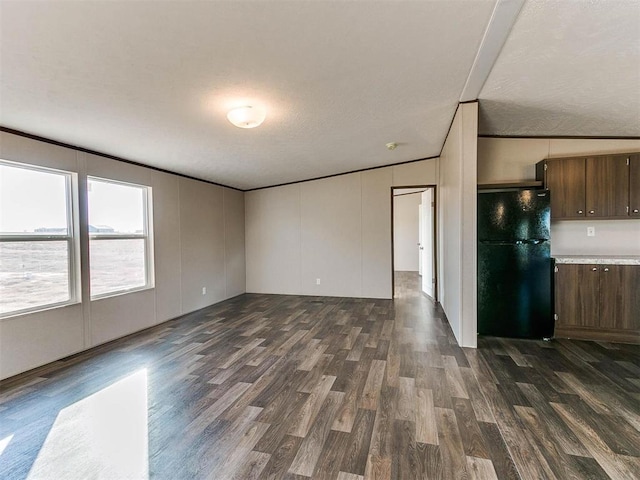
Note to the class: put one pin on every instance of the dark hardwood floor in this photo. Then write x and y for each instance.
(288, 387)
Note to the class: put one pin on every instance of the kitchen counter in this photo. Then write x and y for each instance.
(599, 259)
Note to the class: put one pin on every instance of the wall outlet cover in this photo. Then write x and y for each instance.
(591, 231)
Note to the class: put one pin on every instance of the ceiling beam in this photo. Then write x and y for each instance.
(502, 20)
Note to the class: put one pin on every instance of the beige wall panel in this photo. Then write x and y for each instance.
(166, 240)
(457, 236)
(29, 341)
(376, 233)
(331, 212)
(201, 243)
(114, 317)
(114, 170)
(509, 159)
(424, 172)
(450, 225)
(235, 268)
(405, 232)
(83, 245)
(469, 141)
(562, 147)
(345, 227)
(514, 159)
(25, 150)
(272, 241)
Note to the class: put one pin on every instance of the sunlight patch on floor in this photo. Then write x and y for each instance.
(102, 436)
(4, 442)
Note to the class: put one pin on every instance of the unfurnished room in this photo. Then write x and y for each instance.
(324, 239)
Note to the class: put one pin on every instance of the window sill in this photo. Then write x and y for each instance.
(119, 293)
(40, 309)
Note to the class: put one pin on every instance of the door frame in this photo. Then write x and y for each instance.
(435, 239)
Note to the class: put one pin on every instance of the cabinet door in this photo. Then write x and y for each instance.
(577, 298)
(619, 299)
(634, 185)
(565, 178)
(607, 186)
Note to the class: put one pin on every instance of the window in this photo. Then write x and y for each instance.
(120, 257)
(37, 245)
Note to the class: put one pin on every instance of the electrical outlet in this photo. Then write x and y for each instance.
(317, 281)
(591, 231)
(204, 290)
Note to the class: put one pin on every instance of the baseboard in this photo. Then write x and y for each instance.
(605, 335)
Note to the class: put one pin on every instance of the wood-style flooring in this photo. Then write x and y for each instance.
(290, 387)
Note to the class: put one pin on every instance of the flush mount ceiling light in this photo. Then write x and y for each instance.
(246, 117)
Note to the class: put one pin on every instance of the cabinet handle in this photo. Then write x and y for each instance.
(594, 269)
(606, 269)
(635, 210)
(591, 212)
(580, 212)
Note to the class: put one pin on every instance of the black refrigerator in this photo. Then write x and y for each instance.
(515, 269)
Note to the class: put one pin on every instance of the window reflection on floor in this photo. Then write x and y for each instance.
(4, 442)
(104, 435)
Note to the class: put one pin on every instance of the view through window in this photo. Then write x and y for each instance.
(118, 237)
(36, 238)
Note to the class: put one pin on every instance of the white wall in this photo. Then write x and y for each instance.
(457, 225)
(405, 232)
(337, 229)
(198, 241)
(514, 159)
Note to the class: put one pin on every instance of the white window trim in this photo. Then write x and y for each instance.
(73, 276)
(147, 235)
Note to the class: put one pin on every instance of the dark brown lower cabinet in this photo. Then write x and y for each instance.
(598, 302)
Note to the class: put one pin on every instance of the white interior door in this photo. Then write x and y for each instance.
(420, 239)
(426, 243)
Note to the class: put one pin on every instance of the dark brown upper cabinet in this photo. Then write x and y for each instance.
(601, 186)
(634, 185)
(607, 189)
(565, 178)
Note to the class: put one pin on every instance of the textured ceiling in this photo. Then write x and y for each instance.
(567, 68)
(152, 81)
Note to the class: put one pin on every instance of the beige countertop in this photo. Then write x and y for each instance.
(599, 259)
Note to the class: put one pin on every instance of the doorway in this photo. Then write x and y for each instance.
(414, 246)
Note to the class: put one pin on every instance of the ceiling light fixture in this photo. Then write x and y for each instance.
(246, 117)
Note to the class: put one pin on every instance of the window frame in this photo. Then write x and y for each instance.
(146, 235)
(71, 238)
